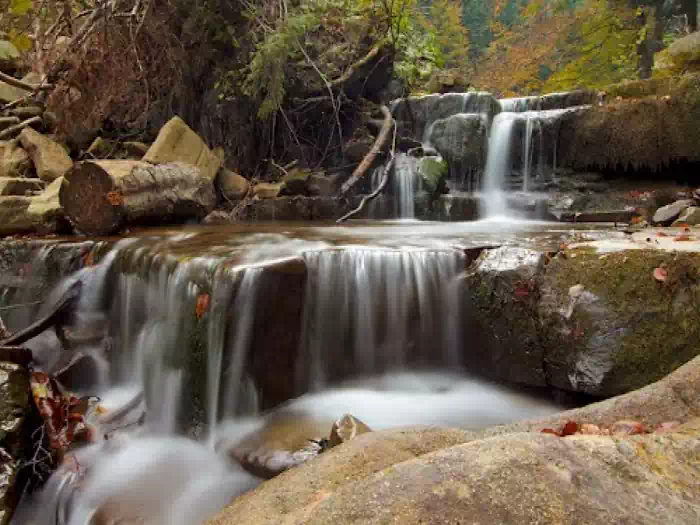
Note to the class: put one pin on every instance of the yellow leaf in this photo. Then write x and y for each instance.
(22, 42)
(20, 7)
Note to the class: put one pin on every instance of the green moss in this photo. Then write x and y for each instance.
(433, 172)
(660, 322)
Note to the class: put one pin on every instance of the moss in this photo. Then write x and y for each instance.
(433, 172)
(659, 322)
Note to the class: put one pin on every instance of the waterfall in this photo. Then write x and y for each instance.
(498, 163)
(368, 311)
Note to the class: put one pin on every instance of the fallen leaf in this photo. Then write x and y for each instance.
(550, 431)
(660, 274)
(683, 238)
(570, 428)
(202, 305)
(114, 198)
(661, 234)
(636, 220)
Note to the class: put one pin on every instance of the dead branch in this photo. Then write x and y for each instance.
(55, 317)
(380, 188)
(350, 71)
(378, 145)
(13, 130)
(18, 102)
(8, 79)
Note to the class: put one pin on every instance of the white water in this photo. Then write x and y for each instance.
(498, 163)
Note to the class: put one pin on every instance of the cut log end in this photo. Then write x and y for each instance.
(91, 199)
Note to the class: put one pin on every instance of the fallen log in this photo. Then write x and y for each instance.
(378, 145)
(371, 196)
(57, 317)
(102, 197)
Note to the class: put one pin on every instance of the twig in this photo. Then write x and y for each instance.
(7, 79)
(329, 86)
(11, 131)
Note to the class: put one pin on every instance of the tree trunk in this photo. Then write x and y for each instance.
(690, 10)
(650, 20)
(102, 197)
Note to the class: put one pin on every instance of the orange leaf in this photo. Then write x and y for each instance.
(550, 431)
(114, 198)
(202, 305)
(660, 274)
(569, 429)
(683, 238)
(683, 225)
(661, 234)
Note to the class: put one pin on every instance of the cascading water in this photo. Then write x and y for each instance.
(497, 165)
(367, 310)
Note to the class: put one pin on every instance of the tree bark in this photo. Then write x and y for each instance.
(103, 197)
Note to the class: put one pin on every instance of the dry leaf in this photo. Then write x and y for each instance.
(660, 274)
(661, 234)
(202, 305)
(114, 198)
(570, 428)
(683, 238)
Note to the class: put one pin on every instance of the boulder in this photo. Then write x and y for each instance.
(319, 185)
(515, 478)
(422, 111)
(20, 186)
(500, 301)
(50, 158)
(665, 215)
(14, 411)
(433, 172)
(609, 326)
(691, 217)
(231, 185)
(295, 182)
(462, 140)
(40, 214)
(176, 142)
(10, 57)
(684, 53)
(267, 190)
(14, 161)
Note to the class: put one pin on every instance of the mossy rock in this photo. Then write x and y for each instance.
(500, 294)
(295, 182)
(433, 172)
(609, 327)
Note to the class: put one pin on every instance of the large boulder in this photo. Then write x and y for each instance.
(669, 213)
(176, 142)
(462, 140)
(611, 323)
(14, 160)
(50, 159)
(516, 478)
(500, 294)
(684, 53)
(421, 112)
(691, 216)
(14, 410)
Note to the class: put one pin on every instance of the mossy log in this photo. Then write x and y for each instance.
(102, 197)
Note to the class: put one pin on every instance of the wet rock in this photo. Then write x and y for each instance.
(433, 174)
(345, 429)
(356, 150)
(177, 142)
(20, 186)
(579, 479)
(50, 158)
(625, 329)
(295, 182)
(267, 190)
(319, 185)
(665, 215)
(615, 216)
(14, 160)
(500, 300)
(422, 111)
(231, 185)
(218, 217)
(448, 207)
(462, 141)
(691, 217)
(14, 410)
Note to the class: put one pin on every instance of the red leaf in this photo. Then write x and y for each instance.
(569, 429)
(683, 238)
(660, 274)
(202, 305)
(661, 234)
(550, 431)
